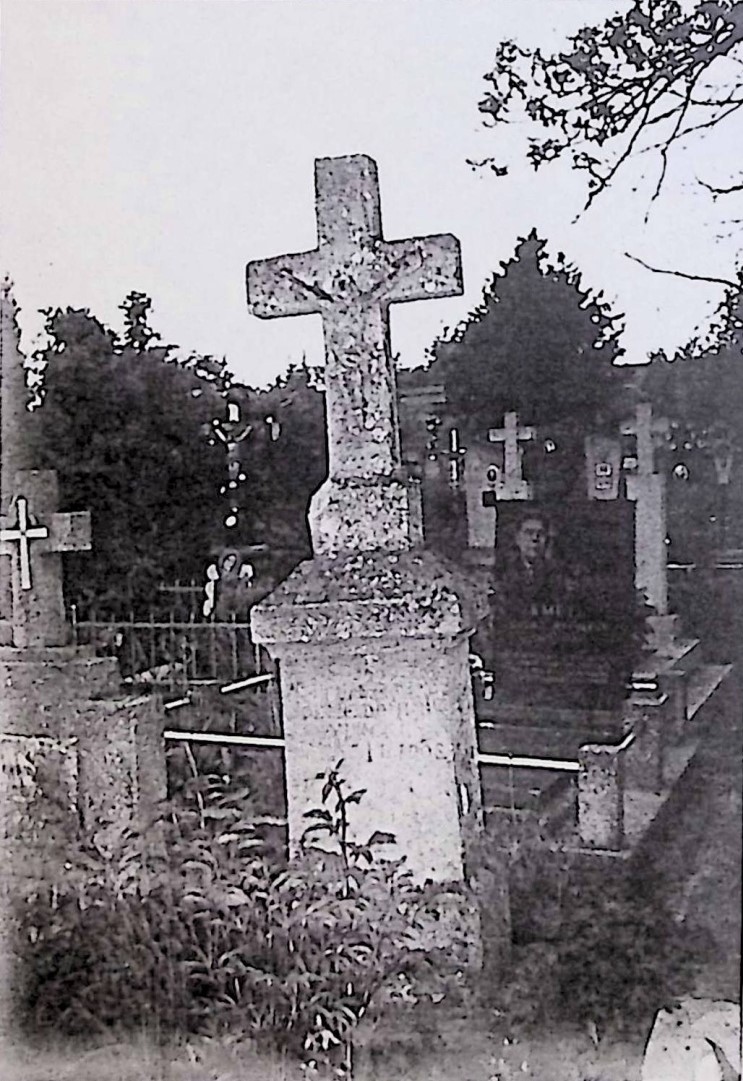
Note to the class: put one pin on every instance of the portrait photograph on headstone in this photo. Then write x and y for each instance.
(371, 540)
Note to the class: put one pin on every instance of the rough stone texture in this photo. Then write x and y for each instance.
(349, 514)
(601, 797)
(649, 495)
(374, 669)
(122, 763)
(55, 695)
(479, 472)
(369, 595)
(351, 278)
(400, 715)
(647, 488)
(646, 757)
(371, 634)
(34, 684)
(38, 605)
(38, 786)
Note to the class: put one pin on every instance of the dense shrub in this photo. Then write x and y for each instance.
(190, 927)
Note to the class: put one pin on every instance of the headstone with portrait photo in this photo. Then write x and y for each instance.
(564, 604)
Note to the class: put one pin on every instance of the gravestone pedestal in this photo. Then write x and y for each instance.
(372, 634)
(66, 697)
(347, 514)
(373, 651)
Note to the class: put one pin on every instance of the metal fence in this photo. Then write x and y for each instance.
(170, 652)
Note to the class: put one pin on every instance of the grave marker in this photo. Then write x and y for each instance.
(647, 489)
(34, 547)
(350, 279)
(512, 485)
(372, 634)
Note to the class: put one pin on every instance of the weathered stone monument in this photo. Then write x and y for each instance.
(646, 487)
(494, 471)
(65, 729)
(372, 633)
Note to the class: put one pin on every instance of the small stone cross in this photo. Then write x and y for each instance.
(350, 279)
(33, 534)
(510, 435)
(647, 433)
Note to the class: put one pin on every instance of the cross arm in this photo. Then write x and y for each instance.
(285, 285)
(71, 532)
(424, 267)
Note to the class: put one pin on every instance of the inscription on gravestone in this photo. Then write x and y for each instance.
(564, 602)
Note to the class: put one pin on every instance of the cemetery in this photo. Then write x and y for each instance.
(469, 720)
(371, 542)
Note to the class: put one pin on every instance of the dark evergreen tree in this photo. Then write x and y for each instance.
(700, 390)
(285, 461)
(123, 426)
(539, 344)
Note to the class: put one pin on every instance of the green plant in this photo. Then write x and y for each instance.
(189, 926)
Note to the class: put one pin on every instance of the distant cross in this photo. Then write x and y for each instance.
(33, 534)
(230, 433)
(510, 435)
(455, 455)
(647, 433)
(350, 279)
(22, 533)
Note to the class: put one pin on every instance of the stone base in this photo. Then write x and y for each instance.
(122, 772)
(373, 652)
(38, 686)
(351, 515)
(55, 696)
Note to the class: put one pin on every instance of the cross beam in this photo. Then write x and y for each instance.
(510, 435)
(647, 432)
(350, 278)
(22, 533)
(33, 534)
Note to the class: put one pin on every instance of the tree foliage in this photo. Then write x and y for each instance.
(538, 343)
(122, 422)
(285, 459)
(699, 387)
(644, 80)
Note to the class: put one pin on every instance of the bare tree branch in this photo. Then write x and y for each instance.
(715, 191)
(682, 274)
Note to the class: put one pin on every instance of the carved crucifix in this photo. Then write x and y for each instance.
(350, 279)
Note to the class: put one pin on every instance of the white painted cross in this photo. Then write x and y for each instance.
(455, 455)
(33, 534)
(350, 279)
(648, 433)
(22, 533)
(510, 435)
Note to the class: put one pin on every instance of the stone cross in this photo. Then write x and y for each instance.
(646, 488)
(510, 435)
(647, 432)
(350, 279)
(33, 534)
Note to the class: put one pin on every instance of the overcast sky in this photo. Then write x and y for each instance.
(160, 145)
